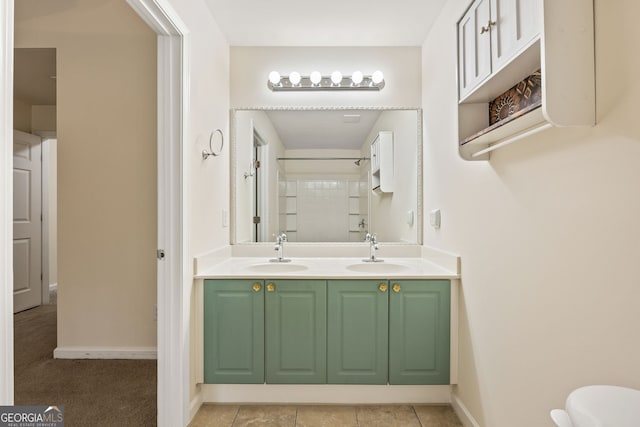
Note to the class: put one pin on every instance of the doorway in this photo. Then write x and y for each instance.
(34, 177)
(261, 215)
(172, 87)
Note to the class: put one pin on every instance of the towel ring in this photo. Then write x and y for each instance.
(211, 152)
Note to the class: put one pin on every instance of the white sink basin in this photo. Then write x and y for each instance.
(377, 267)
(277, 267)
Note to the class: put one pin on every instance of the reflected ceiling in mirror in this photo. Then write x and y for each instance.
(323, 129)
(309, 173)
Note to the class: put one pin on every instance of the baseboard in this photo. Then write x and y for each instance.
(105, 353)
(195, 405)
(462, 412)
(53, 287)
(325, 394)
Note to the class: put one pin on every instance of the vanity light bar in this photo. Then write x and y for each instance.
(316, 82)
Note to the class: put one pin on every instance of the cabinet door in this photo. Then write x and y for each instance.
(296, 331)
(233, 332)
(474, 48)
(358, 312)
(517, 22)
(419, 319)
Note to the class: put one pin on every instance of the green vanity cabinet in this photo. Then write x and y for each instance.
(357, 325)
(318, 331)
(419, 331)
(296, 331)
(233, 332)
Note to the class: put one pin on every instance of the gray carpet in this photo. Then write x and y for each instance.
(93, 392)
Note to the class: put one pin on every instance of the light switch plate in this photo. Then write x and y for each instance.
(409, 218)
(225, 218)
(434, 218)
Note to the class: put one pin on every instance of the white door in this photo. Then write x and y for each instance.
(27, 217)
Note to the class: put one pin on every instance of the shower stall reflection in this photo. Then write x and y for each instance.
(328, 207)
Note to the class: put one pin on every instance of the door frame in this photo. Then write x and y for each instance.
(47, 139)
(6, 202)
(259, 193)
(173, 281)
(260, 154)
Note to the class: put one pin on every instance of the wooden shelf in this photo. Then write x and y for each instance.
(478, 136)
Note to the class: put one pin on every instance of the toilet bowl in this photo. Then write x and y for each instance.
(600, 406)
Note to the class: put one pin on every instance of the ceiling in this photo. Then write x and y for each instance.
(324, 129)
(325, 23)
(34, 76)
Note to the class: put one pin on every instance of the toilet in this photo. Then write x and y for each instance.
(600, 406)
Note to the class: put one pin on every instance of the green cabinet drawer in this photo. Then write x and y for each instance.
(419, 332)
(296, 332)
(357, 331)
(233, 332)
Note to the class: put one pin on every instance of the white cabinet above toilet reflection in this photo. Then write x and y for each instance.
(382, 162)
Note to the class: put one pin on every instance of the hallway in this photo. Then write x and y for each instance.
(93, 392)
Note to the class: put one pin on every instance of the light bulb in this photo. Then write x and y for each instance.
(377, 77)
(357, 77)
(295, 78)
(274, 78)
(336, 77)
(315, 77)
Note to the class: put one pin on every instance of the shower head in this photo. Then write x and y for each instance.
(357, 162)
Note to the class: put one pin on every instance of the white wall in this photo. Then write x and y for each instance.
(207, 180)
(250, 67)
(548, 233)
(389, 210)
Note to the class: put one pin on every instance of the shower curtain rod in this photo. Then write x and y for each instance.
(323, 158)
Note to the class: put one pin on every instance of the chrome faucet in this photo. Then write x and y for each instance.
(373, 247)
(280, 239)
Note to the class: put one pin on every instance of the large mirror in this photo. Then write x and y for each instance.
(326, 175)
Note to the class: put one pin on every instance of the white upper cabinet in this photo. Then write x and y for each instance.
(490, 34)
(382, 162)
(514, 24)
(474, 50)
(502, 43)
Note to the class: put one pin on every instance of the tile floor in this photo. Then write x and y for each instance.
(325, 416)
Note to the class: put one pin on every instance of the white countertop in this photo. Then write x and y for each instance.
(325, 268)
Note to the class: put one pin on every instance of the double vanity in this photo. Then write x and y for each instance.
(330, 316)
(327, 320)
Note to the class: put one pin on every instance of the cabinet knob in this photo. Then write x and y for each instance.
(257, 286)
(488, 27)
(396, 287)
(271, 287)
(382, 287)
